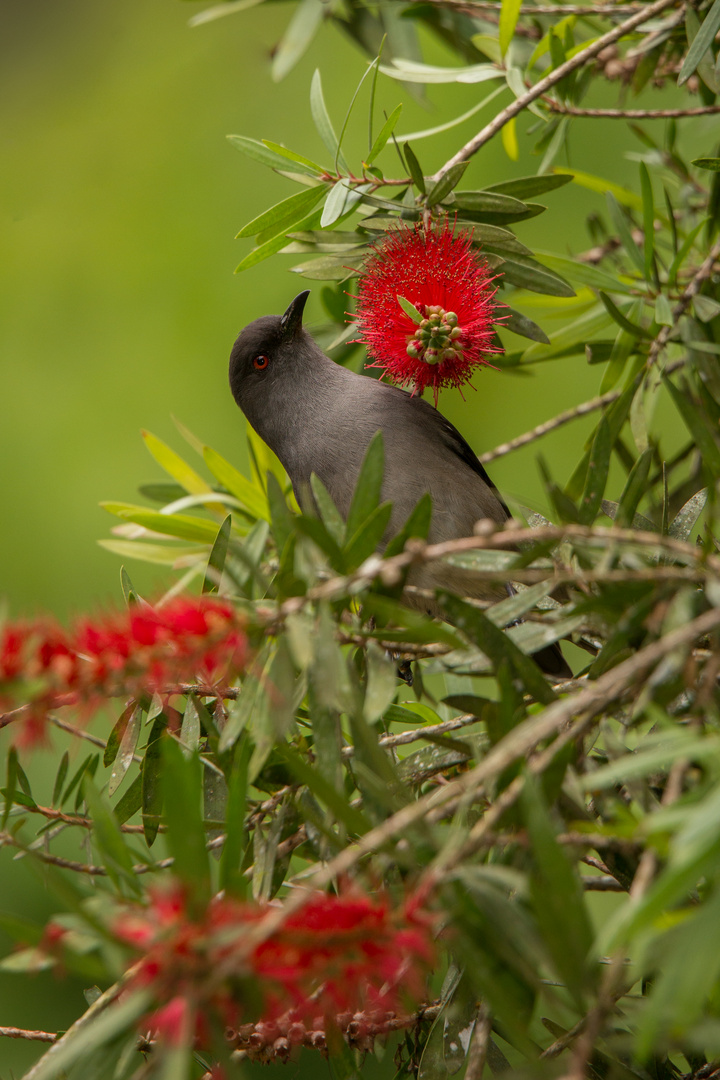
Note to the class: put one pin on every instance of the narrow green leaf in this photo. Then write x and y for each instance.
(705, 308)
(269, 155)
(711, 163)
(410, 310)
(297, 37)
(558, 898)
(231, 878)
(185, 830)
(496, 645)
(77, 776)
(334, 207)
(297, 159)
(527, 187)
(684, 250)
(321, 536)
(381, 684)
(598, 469)
(414, 168)
(509, 12)
(130, 803)
(635, 488)
(238, 485)
(220, 11)
(191, 728)
(384, 134)
(427, 133)
(115, 738)
(417, 524)
(287, 211)
(282, 518)
(60, 777)
(152, 793)
(520, 324)
(602, 186)
(571, 337)
(373, 87)
(126, 750)
(414, 72)
(270, 247)
(129, 594)
(696, 425)
(367, 538)
(335, 800)
(648, 219)
(331, 516)
(623, 230)
(367, 489)
(160, 554)
(218, 555)
(529, 274)
(442, 187)
(110, 840)
(323, 123)
(634, 329)
(685, 521)
(174, 466)
(11, 784)
(373, 67)
(181, 525)
(492, 202)
(701, 42)
(663, 310)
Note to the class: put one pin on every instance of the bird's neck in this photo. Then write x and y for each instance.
(298, 411)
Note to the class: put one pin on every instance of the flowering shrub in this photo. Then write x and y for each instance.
(451, 332)
(567, 833)
(336, 954)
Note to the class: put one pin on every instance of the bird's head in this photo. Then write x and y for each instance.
(268, 351)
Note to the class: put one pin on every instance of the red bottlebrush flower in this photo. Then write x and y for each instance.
(435, 271)
(173, 1022)
(336, 954)
(140, 651)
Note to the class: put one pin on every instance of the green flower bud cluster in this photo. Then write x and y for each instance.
(437, 337)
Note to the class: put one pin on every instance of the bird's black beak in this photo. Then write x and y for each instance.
(291, 322)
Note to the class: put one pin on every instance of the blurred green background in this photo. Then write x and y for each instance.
(120, 200)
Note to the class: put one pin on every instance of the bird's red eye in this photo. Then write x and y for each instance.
(261, 362)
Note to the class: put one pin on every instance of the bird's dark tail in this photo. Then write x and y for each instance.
(552, 662)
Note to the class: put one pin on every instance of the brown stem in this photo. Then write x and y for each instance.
(630, 114)
(550, 425)
(26, 1033)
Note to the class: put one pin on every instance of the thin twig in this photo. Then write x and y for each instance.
(630, 114)
(550, 425)
(550, 9)
(606, 883)
(648, 12)
(477, 1054)
(26, 1033)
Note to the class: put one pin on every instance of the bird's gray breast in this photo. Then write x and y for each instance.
(419, 457)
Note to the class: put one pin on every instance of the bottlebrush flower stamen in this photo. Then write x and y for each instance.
(426, 307)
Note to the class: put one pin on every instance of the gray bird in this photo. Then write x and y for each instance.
(318, 417)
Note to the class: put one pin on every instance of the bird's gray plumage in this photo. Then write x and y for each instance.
(318, 417)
